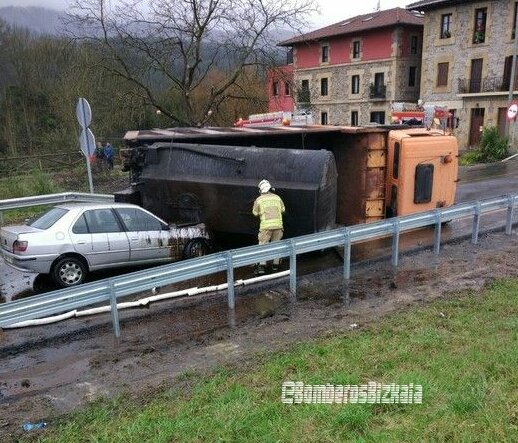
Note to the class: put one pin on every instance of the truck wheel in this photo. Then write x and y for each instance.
(69, 271)
(196, 247)
(43, 283)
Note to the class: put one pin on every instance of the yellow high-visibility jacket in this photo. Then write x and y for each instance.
(269, 208)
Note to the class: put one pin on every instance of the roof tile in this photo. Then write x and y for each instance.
(361, 23)
(427, 4)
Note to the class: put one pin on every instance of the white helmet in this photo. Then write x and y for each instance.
(264, 186)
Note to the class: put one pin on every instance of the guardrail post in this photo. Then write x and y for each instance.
(476, 224)
(231, 316)
(347, 254)
(395, 244)
(114, 311)
(230, 282)
(510, 214)
(437, 233)
(1, 218)
(293, 269)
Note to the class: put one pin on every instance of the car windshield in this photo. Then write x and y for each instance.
(48, 218)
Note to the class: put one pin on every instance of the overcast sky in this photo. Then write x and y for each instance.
(332, 11)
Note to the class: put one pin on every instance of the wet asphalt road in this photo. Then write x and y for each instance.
(475, 183)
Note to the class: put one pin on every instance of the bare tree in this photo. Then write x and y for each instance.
(177, 45)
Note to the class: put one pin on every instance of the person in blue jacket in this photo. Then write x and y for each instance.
(108, 154)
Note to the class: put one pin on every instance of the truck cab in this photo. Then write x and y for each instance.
(422, 168)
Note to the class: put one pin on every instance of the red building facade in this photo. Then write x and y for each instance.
(349, 73)
(280, 89)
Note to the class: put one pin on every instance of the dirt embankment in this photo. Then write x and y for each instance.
(49, 371)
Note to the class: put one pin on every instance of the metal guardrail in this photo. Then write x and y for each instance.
(51, 199)
(111, 289)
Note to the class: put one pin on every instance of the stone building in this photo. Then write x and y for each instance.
(349, 73)
(467, 61)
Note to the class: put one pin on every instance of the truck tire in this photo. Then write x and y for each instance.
(43, 283)
(69, 271)
(196, 247)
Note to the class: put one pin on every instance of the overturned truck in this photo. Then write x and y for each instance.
(326, 175)
(217, 185)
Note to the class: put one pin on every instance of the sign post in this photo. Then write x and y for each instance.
(512, 112)
(86, 139)
(513, 73)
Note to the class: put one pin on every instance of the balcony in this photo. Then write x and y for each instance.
(488, 84)
(378, 91)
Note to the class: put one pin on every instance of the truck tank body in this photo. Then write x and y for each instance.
(360, 156)
(217, 185)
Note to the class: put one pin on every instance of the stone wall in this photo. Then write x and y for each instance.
(458, 51)
(340, 101)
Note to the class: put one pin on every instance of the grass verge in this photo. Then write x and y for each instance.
(463, 352)
(469, 158)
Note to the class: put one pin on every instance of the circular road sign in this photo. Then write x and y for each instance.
(83, 113)
(512, 111)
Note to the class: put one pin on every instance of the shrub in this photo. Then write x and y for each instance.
(492, 147)
(469, 158)
(10, 188)
(40, 183)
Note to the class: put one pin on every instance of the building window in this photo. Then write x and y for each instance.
(479, 35)
(356, 49)
(453, 122)
(289, 57)
(324, 87)
(378, 117)
(514, 20)
(446, 26)
(412, 76)
(414, 44)
(378, 89)
(355, 84)
(354, 118)
(325, 53)
(287, 88)
(303, 93)
(508, 66)
(275, 89)
(323, 118)
(442, 74)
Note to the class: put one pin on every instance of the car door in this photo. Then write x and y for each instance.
(109, 242)
(81, 238)
(147, 235)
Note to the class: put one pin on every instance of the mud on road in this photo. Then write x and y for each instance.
(48, 371)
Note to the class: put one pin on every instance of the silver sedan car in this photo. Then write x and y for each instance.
(70, 240)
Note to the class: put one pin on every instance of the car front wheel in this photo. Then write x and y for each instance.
(69, 271)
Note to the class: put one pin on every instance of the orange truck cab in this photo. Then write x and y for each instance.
(422, 168)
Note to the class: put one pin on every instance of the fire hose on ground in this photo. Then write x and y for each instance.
(144, 301)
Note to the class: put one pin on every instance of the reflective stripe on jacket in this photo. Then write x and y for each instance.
(269, 208)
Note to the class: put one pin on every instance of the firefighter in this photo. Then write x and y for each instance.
(269, 207)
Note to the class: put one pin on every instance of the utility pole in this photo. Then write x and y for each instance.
(513, 71)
